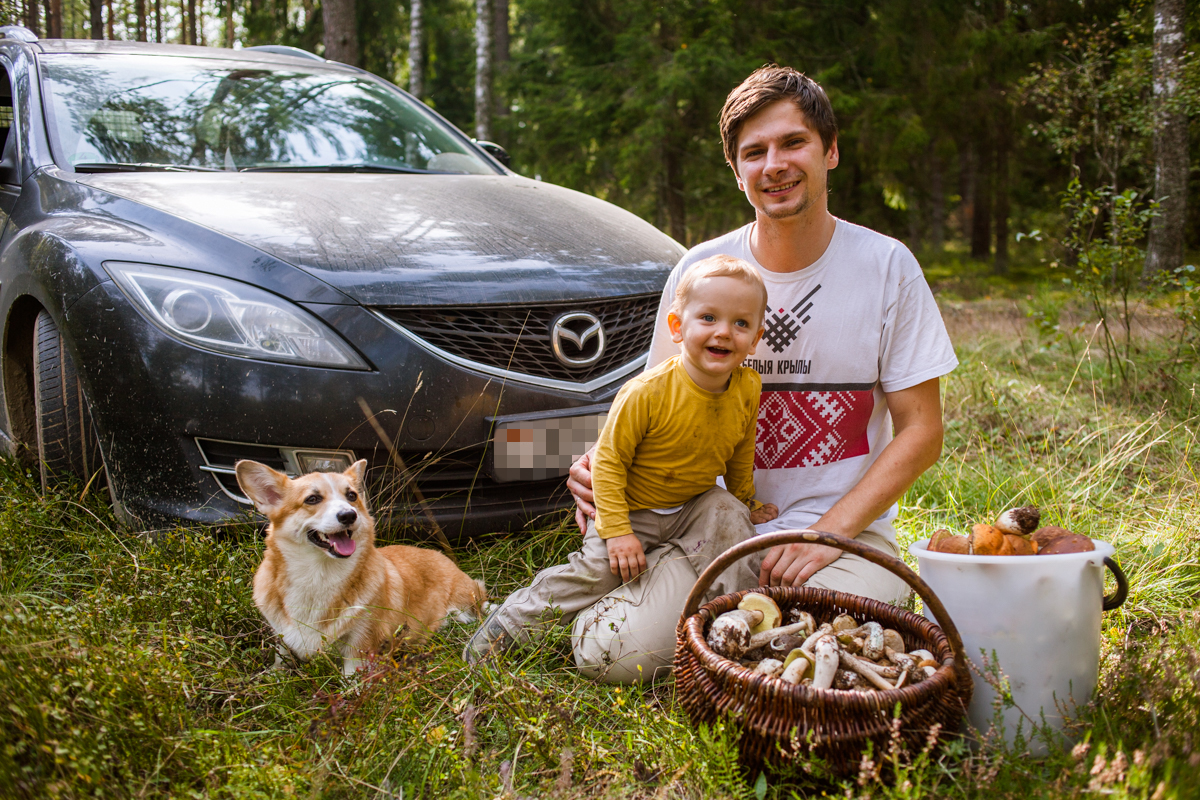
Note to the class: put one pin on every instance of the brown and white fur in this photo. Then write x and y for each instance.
(323, 580)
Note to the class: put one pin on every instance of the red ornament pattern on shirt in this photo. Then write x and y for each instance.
(811, 428)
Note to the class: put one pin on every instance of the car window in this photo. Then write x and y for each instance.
(217, 114)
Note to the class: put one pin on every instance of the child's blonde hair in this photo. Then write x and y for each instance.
(719, 266)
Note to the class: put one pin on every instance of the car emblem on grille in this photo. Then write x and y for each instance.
(577, 338)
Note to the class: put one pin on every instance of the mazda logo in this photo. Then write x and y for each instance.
(577, 338)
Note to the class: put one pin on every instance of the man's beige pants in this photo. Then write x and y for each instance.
(629, 635)
(694, 536)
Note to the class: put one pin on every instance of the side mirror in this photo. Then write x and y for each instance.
(497, 152)
(9, 173)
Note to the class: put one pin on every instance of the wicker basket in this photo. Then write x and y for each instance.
(773, 714)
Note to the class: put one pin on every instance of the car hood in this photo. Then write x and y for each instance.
(421, 239)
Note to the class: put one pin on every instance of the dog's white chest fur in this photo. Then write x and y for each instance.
(315, 616)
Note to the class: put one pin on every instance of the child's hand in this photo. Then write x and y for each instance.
(765, 514)
(626, 557)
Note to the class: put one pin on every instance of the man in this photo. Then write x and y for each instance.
(854, 347)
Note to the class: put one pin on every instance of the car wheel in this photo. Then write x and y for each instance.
(68, 447)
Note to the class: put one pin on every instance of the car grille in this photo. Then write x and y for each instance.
(516, 338)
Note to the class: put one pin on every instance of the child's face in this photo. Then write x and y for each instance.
(717, 329)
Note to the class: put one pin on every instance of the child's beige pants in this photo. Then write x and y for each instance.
(701, 530)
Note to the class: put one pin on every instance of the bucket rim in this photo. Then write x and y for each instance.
(921, 550)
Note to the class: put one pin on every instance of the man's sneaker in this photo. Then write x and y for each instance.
(489, 640)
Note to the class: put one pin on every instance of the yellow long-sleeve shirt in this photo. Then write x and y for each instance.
(667, 440)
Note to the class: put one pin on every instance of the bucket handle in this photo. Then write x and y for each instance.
(866, 552)
(1117, 598)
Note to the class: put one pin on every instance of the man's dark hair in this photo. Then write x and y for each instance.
(766, 85)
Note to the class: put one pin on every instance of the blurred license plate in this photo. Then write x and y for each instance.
(535, 449)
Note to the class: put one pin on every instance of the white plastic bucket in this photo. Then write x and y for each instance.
(1040, 615)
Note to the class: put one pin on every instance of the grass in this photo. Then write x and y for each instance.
(133, 667)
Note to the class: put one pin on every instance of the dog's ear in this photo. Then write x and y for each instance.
(263, 485)
(356, 473)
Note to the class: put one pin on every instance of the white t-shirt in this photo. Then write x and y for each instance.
(858, 322)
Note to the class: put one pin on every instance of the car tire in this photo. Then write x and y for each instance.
(68, 447)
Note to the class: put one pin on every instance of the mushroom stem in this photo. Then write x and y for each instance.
(826, 663)
(764, 638)
(851, 663)
(817, 634)
(878, 669)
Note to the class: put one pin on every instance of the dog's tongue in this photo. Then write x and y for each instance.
(342, 543)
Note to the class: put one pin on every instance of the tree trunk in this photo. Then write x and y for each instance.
(673, 197)
(96, 24)
(1000, 265)
(1165, 250)
(54, 19)
(500, 52)
(158, 21)
(416, 50)
(139, 9)
(33, 16)
(341, 31)
(937, 200)
(112, 34)
(230, 31)
(981, 212)
(191, 23)
(483, 69)
(966, 187)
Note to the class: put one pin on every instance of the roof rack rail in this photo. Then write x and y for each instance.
(286, 50)
(18, 33)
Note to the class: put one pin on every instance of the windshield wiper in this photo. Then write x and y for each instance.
(345, 168)
(144, 166)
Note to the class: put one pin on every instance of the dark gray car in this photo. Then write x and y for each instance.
(210, 255)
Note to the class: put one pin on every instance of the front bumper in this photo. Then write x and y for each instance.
(153, 398)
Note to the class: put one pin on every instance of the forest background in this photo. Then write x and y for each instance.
(962, 121)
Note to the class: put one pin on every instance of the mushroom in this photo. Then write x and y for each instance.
(817, 634)
(796, 615)
(844, 622)
(764, 638)
(950, 544)
(772, 616)
(987, 541)
(878, 669)
(846, 679)
(1020, 546)
(772, 667)
(873, 645)
(907, 664)
(796, 667)
(1046, 534)
(920, 655)
(1019, 521)
(893, 639)
(730, 632)
(826, 664)
(1070, 543)
(851, 663)
(784, 644)
(929, 671)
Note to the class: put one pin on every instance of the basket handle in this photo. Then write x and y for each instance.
(890, 563)
(1117, 598)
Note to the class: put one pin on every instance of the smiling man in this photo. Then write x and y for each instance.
(851, 357)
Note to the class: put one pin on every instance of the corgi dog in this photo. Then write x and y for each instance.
(322, 579)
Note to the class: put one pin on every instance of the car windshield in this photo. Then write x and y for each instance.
(149, 112)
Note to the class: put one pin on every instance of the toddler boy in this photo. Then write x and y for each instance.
(671, 432)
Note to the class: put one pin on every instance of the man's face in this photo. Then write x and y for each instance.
(781, 164)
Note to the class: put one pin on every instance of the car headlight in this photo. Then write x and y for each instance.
(230, 317)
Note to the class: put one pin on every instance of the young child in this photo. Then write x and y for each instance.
(671, 432)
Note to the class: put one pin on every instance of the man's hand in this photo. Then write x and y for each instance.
(626, 557)
(793, 564)
(579, 484)
(766, 513)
